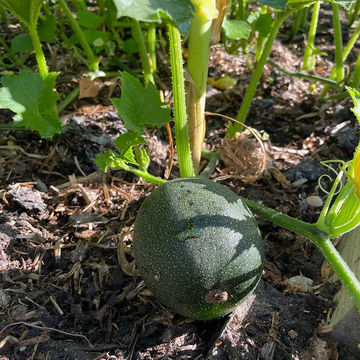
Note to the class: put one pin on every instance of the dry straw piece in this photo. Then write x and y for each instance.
(243, 156)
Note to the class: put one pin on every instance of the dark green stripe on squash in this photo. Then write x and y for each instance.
(198, 247)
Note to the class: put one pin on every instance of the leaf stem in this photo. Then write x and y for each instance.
(62, 106)
(319, 238)
(180, 117)
(144, 174)
(137, 34)
(93, 63)
(152, 46)
(345, 54)
(3, 16)
(213, 157)
(40, 57)
(308, 62)
(339, 64)
(302, 75)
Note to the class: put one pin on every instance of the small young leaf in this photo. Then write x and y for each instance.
(89, 19)
(124, 143)
(140, 106)
(236, 29)
(21, 43)
(108, 159)
(355, 95)
(32, 99)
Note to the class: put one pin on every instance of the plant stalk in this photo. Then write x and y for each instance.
(180, 117)
(3, 15)
(197, 66)
(152, 46)
(309, 62)
(93, 63)
(339, 64)
(137, 34)
(320, 239)
(356, 77)
(40, 57)
(345, 54)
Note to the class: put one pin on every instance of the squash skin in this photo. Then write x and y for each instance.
(198, 247)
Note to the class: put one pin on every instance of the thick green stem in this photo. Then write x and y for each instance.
(137, 34)
(308, 55)
(304, 20)
(197, 66)
(101, 5)
(245, 105)
(180, 117)
(40, 57)
(260, 39)
(339, 64)
(345, 54)
(356, 78)
(296, 25)
(93, 63)
(320, 239)
(241, 10)
(3, 15)
(152, 46)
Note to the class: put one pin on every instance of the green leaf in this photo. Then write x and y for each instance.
(263, 24)
(236, 29)
(276, 4)
(26, 11)
(130, 46)
(125, 143)
(21, 43)
(46, 29)
(140, 106)
(32, 99)
(49, 98)
(89, 19)
(180, 11)
(344, 3)
(108, 159)
(95, 38)
(355, 95)
(20, 8)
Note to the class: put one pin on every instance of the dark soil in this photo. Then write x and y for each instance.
(65, 226)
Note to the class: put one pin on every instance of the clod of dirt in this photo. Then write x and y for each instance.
(345, 135)
(306, 169)
(27, 198)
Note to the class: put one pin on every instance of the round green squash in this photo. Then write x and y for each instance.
(197, 247)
